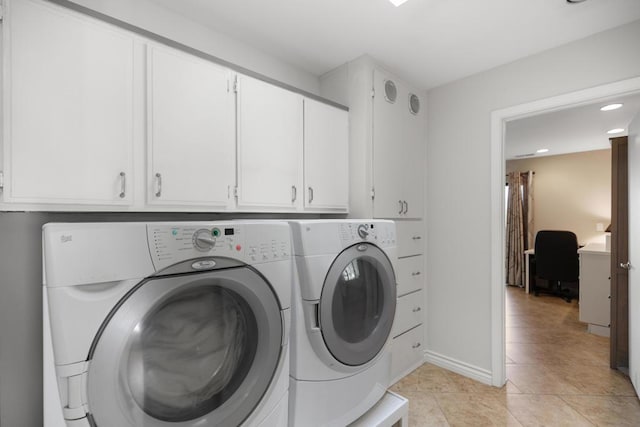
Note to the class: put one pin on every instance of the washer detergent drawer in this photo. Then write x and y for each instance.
(410, 274)
(408, 313)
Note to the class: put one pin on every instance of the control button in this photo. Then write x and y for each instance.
(238, 248)
(215, 232)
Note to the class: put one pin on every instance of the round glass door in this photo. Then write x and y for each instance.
(358, 304)
(190, 354)
(198, 349)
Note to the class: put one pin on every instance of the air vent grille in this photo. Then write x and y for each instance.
(390, 91)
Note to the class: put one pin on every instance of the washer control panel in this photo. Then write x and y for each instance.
(170, 243)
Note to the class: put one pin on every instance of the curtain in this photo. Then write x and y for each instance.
(528, 211)
(515, 231)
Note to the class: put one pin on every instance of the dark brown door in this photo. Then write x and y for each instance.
(619, 255)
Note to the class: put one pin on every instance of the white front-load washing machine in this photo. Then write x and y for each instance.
(343, 308)
(166, 324)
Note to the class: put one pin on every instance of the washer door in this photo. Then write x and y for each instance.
(187, 350)
(358, 304)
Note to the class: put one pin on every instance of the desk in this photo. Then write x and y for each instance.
(595, 286)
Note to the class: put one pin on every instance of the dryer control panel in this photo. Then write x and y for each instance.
(170, 243)
(378, 233)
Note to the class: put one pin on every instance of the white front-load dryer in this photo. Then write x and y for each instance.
(343, 306)
(166, 324)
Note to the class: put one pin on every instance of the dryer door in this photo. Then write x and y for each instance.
(357, 304)
(186, 350)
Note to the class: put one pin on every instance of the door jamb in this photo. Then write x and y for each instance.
(499, 119)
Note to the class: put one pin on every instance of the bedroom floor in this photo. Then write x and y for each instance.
(558, 375)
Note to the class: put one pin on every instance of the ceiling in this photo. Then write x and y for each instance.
(582, 128)
(426, 42)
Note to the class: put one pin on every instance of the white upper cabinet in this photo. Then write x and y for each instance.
(269, 146)
(190, 130)
(326, 157)
(98, 117)
(68, 108)
(398, 154)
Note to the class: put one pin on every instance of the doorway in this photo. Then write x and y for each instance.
(498, 127)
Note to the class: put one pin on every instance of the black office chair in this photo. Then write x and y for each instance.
(557, 263)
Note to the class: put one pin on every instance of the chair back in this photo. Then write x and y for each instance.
(557, 255)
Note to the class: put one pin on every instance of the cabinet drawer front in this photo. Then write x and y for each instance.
(409, 313)
(410, 274)
(410, 238)
(407, 352)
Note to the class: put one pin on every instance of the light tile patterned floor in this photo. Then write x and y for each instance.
(558, 375)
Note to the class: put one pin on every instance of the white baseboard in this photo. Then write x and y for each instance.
(482, 375)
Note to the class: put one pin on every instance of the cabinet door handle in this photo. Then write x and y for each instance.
(625, 265)
(310, 194)
(416, 309)
(123, 185)
(406, 207)
(294, 193)
(416, 345)
(416, 237)
(416, 273)
(158, 184)
(401, 206)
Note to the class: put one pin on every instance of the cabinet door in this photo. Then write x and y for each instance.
(190, 130)
(388, 167)
(326, 151)
(270, 137)
(413, 149)
(68, 136)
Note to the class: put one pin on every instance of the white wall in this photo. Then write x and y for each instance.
(571, 191)
(458, 178)
(156, 19)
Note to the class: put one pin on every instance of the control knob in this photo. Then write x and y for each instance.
(203, 240)
(362, 231)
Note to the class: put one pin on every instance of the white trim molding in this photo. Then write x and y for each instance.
(458, 367)
(499, 119)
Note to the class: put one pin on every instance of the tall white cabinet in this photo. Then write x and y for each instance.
(386, 162)
(68, 108)
(397, 173)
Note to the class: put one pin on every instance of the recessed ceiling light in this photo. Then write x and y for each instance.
(611, 107)
(397, 3)
(616, 130)
(542, 150)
